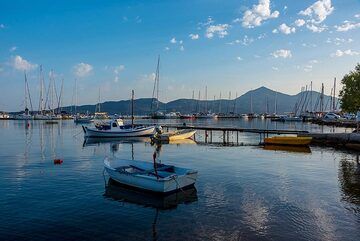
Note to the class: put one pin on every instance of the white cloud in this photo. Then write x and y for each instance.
(299, 22)
(275, 31)
(239, 58)
(261, 36)
(346, 26)
(283, 28)
(282, 53)
(182, 48)
(82, 69)
(194, 36)
(116, 79)
(13, 48)
(259, 13)
(119, 69)
(220, 30)
(208, 22)
(357, 15)
(166, 48)
(148, 77)
(313, 61)
(340, 53)
(308, 68)
(275, 68)
(318, 11)
(316, 28)
(22, 64)
(245, 41)
(173, 40)
(308, 45)
(339, 41)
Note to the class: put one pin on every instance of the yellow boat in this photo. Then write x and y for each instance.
(288, 140)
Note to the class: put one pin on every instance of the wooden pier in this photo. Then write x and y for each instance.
(227, 130)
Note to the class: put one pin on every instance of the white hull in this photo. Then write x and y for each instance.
(42, 117)
(168, 183)
(23, 117)
(142, 131)
(176, 135)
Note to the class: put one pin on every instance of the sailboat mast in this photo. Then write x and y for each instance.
(99, 107)
(25, 92)
(157, 85)
(76, 97)
(132, 108)
(251, 104)
(220, 103)
(60, 95)
(311, 98)
(206, 106)
(41, 90)
(275, 104)
(334, 105)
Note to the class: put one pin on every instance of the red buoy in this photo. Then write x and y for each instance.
(58, 161)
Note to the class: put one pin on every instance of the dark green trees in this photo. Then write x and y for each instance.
(350, 92)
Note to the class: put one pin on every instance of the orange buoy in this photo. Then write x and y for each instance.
(58, 161)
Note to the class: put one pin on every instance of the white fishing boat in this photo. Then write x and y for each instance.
(116, 128)
(81, 119)
(113, 129)
(173, 135)
(153, 177)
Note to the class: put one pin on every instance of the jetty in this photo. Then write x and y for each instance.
(339, 140)
(227, 130)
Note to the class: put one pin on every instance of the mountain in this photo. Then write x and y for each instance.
(261, 98)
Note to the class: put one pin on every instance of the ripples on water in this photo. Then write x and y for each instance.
(242, 193)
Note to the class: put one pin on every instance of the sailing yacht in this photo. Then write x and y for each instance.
(155, 113)
(41, 115)
(26, 115)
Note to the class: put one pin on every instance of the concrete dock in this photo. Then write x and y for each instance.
(342, 140)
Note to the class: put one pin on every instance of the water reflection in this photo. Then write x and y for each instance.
(301, 149)
(117, 192)
(349, 179)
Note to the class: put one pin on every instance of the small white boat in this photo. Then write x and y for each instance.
(142, 175)
(82, 119)
(23, 116)
(116, 128)
(174, 135)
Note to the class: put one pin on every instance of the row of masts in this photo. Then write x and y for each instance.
(49, 100)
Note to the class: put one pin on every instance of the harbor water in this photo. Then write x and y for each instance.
(242, 192)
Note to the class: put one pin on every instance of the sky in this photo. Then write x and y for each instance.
(227, 46)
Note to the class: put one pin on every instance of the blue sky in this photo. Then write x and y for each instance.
(227, 45)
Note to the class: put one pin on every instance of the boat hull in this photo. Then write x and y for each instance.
(174, 137)
(150, 183)
(288, 141)
(92, 132)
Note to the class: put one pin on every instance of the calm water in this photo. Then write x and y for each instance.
(242, 193)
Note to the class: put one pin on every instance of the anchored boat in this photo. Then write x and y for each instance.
(153, 177)
(288, 140)
(173, 135)
(115, 128)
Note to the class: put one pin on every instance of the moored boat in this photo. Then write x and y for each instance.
(173, 135)
(152, 177)
(288, 140)
(115, 129)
